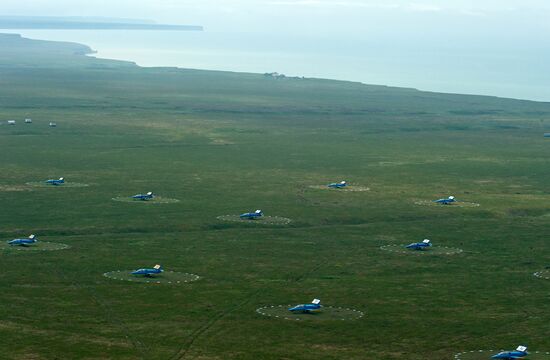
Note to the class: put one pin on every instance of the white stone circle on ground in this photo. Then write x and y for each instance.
(544, 274)
(327, 313)
(166, 277)
(37, 246)
(348, 188)
(432, 250)
(64, 185)
(155, 200)
(268, 220)
(486, 354)
(452, 205)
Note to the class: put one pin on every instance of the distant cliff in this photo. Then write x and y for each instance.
(15, 42)
(82, 23)
(16, 51)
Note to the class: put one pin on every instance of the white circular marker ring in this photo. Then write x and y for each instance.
(432, 250)
(43, 184)
(155, 200)
(37, 246)
(457, 204)
(265, 220)
(166, 277)
(326, 313)
(347, 188)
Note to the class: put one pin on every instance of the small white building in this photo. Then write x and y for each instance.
(11, 122)
(52, 124)
(28, 121)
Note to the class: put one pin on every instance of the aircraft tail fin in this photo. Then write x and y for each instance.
(258, 211)
(61, 178)
(150, 193)
(451, 197)
(157, 267)
(426, 241)
(316, 301)
(522, 348)
(32, 237)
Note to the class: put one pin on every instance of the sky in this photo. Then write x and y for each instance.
(467, 23)
(483, 34)
(308, 15)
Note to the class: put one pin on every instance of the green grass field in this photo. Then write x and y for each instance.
(226, 143)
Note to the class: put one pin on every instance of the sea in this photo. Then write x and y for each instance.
(511, 71)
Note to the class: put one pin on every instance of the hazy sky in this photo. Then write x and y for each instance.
(458, 23)
(452, 22)
(495, 16)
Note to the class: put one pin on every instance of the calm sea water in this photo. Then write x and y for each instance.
(507, 70)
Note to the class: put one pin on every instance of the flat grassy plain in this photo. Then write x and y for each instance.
(225, 143)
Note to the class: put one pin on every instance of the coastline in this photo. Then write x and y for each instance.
(142, 50)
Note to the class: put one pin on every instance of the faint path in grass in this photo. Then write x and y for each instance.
(303, 275)
(302, 198)
(110, 316)
(183, 351)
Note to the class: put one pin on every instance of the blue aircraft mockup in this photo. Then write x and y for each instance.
(23, 242)
(307, 308)
(157, 269)
(447, 201)
(56, 182)
(252, 215)
(420, 245)
(144, 197)
(519, 353)
(340, 185)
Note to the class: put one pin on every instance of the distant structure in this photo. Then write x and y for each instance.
(11, 122)
(275, 75)
(52, 124)
(28, 121)
(546, 134)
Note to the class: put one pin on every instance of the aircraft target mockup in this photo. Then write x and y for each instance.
(157, 269)
(144, 197)
(340, 185)
(420, 245)
(23, 242)
(519, 353)
(56, 182)
(307, 308)
(252, 215)
(447, 201)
